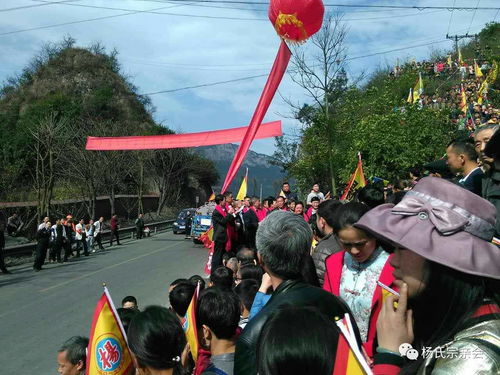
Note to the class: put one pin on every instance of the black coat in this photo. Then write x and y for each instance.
(220, 223)
(290, 292)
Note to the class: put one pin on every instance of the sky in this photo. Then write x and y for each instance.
(167, 45)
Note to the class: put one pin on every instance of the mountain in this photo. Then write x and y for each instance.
(260, 169)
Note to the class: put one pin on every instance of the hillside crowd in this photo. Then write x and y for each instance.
(414, 266)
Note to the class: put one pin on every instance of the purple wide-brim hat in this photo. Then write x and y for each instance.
(441, 222)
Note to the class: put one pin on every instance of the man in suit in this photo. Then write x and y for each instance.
(462, 161)
(251, 223)
(221, 217)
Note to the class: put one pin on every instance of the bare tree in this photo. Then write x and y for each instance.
(320, 69)
(48, 136)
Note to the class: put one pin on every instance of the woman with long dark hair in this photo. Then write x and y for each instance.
(447, 320)
(156, 340)
(352, 273)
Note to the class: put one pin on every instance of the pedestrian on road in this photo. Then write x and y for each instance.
(57, 237)
(44, 221)
(81, 239)
(89, 234)
(68, 243)
(2, 243)
(99, 227)
(139, 226)
(114, 230)
(43, 241)
(220, 220)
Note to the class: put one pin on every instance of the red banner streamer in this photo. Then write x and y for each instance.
(273, 81)
(208, 138)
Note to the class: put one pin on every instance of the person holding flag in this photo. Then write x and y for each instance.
(108, 351)
(156, 341)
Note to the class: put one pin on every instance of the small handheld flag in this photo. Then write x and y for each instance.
(108, 352)
(242, 193)
(356, 182)
(189, 324)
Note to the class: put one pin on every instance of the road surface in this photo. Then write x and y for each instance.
(40, 310)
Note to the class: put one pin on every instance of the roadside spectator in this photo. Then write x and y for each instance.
(14, 225)
(126, 315)
(157, 341)
(195, 279)
(130, 302)
(72, 356)
(139, 226)
(222, 277)
(315, 193)
(98, 230)
(462, 160)
(89, 235)
(43, 241)
(115, 225)
(246, 256)
(217, 318)
(81, 239)
(249, 271)
(289, 195)
(246, 291)
(180, 298)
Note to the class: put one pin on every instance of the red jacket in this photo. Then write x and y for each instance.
(333, 273)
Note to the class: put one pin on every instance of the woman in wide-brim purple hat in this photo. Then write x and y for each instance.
(448, 272)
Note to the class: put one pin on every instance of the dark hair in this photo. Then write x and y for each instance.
(279, 196)
(129, 299)
(246, 291)
(396, 197)
(285, 183)
(227, 255)
(219, 310)
(371, 195)
(222, 277)
(180, 297)
(310, 350)
(251, 271)
(219, 198)
(449, 299)
(76, 349)
(327, 209)
(269, 200)
(245, 255)
(348, 214)
(156, 338)
(126, 316)
(309, 274)
(315, 199)
(464, 147)
(177, 281)
(195, 279)
(227, 194)
(314, 226)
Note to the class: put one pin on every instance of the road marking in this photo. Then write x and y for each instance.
(106, 268)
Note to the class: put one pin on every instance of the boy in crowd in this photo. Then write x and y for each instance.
(218, 314)
(222, 278)
(246, 291)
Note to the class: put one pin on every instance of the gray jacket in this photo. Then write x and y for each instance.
(326, 247)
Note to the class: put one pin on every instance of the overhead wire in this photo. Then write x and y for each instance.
(451, 16)
(473, 16)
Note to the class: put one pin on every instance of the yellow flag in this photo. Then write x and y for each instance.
(460, 60)
(356, 182)
(463, 102)
(410, 97)
(477, 70)
(449, 61)
(242, 193)
(107, 352)
(418, 89)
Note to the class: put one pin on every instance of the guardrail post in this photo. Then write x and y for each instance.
(156, 229)
(131, 235)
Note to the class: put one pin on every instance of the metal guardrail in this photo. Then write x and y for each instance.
(126, 234)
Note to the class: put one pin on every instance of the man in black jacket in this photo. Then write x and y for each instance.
(220, 219)
(283, 241)
(251, 224)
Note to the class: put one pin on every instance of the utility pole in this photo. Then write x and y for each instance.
(456, 38)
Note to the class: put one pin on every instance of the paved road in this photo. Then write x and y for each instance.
(38, 311)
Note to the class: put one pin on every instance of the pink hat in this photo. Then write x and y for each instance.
(441, 222)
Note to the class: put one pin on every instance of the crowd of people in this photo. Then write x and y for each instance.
(62, 239)
(415, 266)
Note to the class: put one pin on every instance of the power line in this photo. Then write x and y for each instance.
(473, 16)
(35, 5)
(451, 16)
(264, 75)
(345, 5)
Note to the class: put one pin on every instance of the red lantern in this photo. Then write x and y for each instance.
(296, 20)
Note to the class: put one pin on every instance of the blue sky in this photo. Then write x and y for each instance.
(161, 51)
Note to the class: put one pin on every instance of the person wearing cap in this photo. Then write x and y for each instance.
(447, 271)
(491, 180)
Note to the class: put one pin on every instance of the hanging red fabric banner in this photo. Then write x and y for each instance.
(155, 142)
(273, 81)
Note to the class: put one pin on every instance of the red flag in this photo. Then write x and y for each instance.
(273, 81)
(154, 142)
